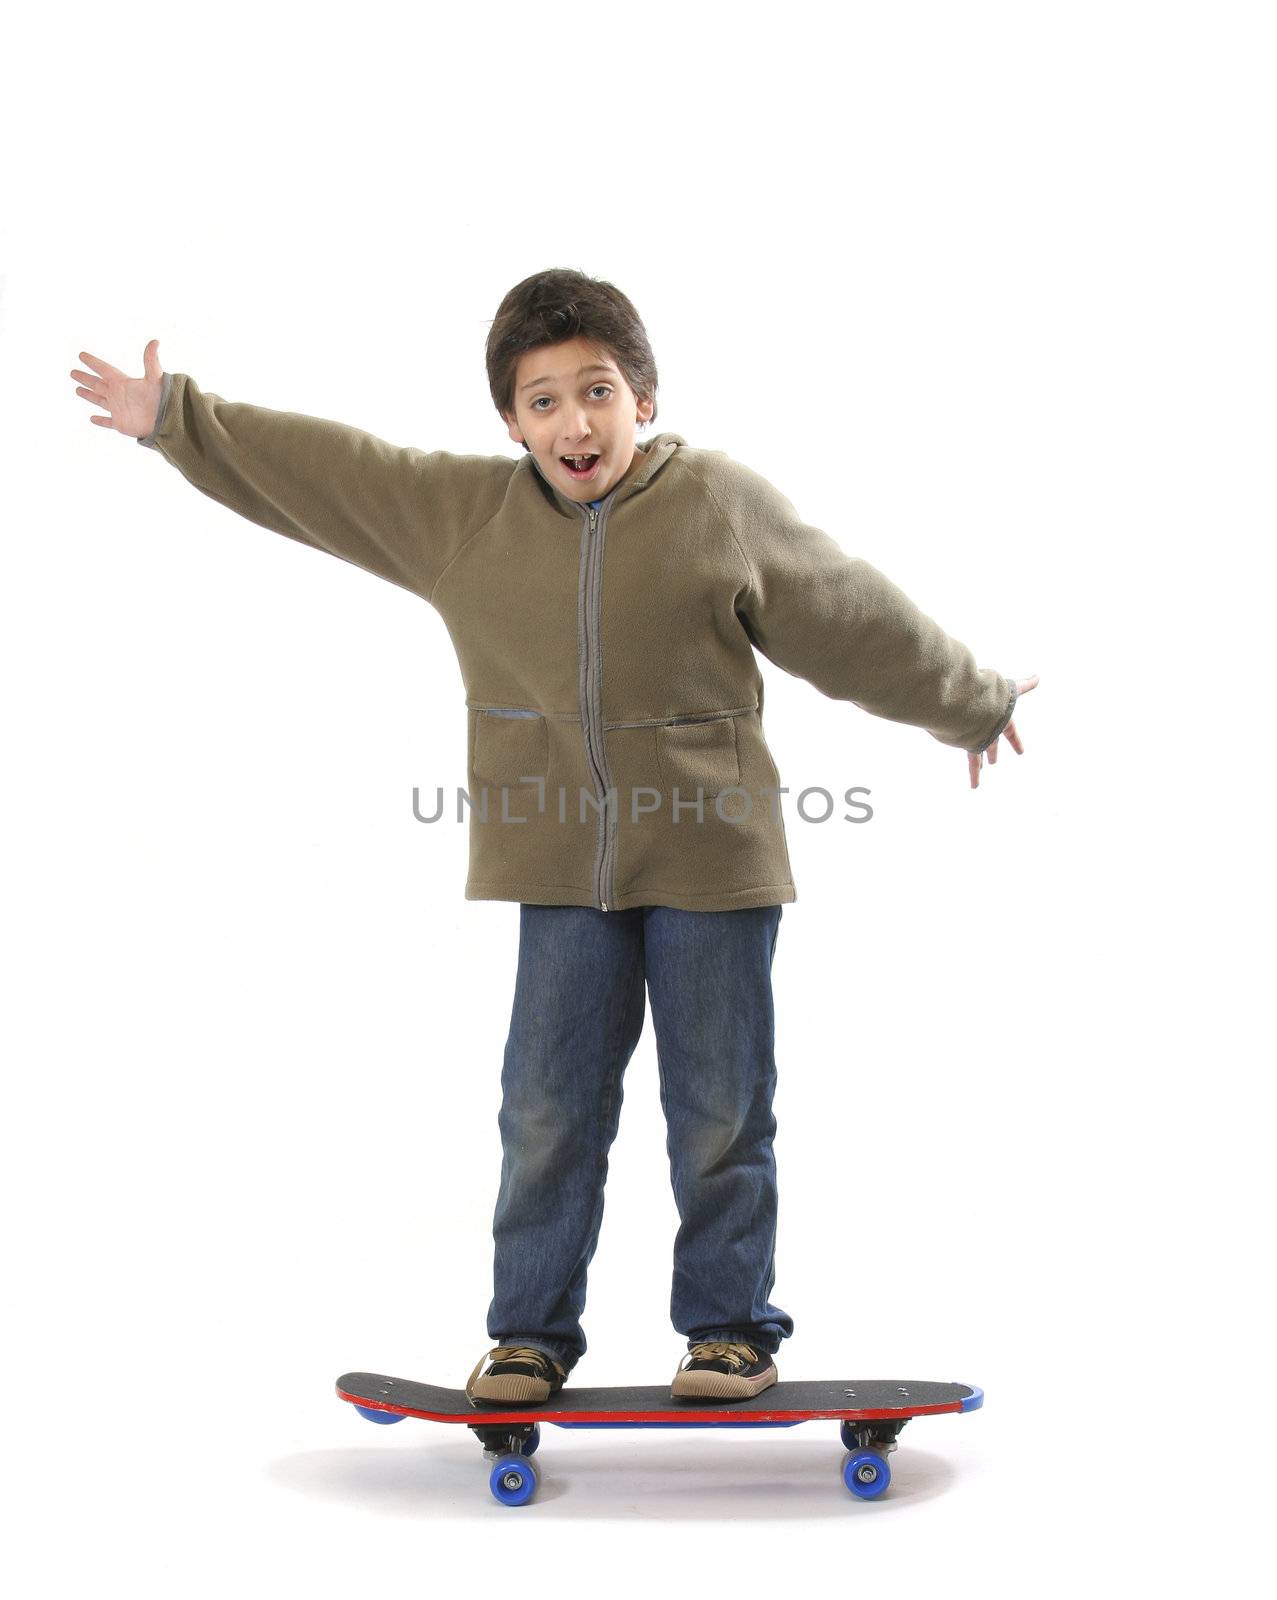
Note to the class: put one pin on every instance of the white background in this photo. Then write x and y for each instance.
(987, 291)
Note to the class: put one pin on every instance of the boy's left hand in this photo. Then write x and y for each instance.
(975, 758)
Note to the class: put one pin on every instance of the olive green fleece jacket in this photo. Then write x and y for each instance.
(615, 749)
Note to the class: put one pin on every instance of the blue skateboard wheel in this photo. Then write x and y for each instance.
(374, 1415)
(866, 1474)
(513, 1480)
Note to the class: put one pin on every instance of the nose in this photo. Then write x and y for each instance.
(577, 433)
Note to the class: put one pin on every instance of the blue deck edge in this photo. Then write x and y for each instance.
(974, 1400)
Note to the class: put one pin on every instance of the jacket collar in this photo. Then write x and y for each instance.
(656, 452)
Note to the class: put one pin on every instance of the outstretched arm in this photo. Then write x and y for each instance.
(839, 623)
(395, 511)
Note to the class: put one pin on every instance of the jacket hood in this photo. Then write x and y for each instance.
(656, 453)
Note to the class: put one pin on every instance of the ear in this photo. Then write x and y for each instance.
(645, 409)
(516, 433)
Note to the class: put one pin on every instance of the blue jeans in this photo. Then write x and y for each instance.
(579, 1006)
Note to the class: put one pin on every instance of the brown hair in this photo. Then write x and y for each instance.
(559, 304)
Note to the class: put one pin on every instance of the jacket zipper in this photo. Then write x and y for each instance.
(604, 865)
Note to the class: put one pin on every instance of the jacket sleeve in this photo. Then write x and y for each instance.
(838, 622)
(395, 511)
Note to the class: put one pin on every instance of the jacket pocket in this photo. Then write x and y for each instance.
(510, 746)
(698, 753)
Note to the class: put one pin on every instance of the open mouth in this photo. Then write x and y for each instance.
(582, 468)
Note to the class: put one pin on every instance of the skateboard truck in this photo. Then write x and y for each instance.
(506, 1440)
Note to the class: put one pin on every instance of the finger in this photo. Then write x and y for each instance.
(86, 378)
(1025, 684)
(973, 767)
(94, 399)
(1013, 738)
(102, 368)
(992, 753)
(151, 359)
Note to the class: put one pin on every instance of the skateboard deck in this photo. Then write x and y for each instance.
(870, 1413)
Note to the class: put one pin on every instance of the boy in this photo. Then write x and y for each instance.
(605, 601)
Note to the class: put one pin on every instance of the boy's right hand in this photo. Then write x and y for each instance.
(133, 403)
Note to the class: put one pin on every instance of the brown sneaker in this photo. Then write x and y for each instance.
(723, 1371)
(518, 1376)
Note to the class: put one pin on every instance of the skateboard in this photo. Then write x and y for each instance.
(870, 1413)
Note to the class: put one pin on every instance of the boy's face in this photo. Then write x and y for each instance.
(561, 410)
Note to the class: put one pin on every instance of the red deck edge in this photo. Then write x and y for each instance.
(533, 1413)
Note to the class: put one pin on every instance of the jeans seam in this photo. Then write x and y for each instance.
(616, 1071)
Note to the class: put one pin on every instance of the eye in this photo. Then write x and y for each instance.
(536, 404)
